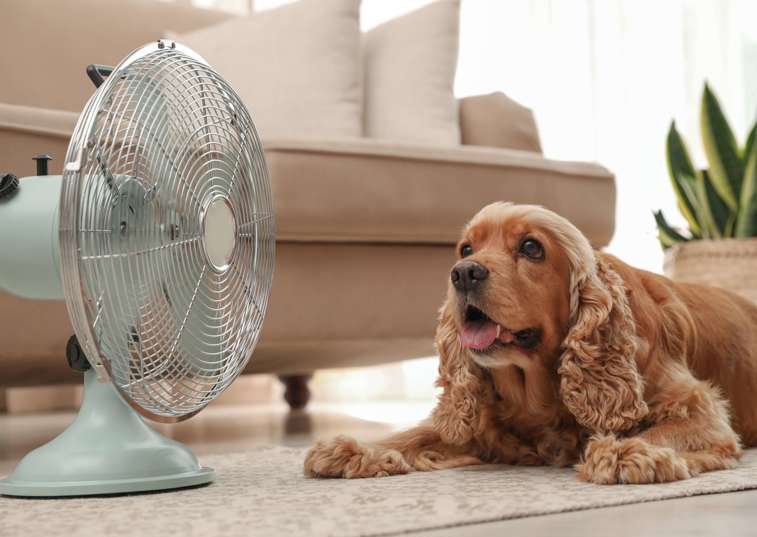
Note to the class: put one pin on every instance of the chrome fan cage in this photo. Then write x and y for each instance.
(167, 232)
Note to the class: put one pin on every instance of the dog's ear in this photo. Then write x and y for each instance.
(599, 382)
(457, 414)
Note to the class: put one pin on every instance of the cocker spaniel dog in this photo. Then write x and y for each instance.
(552, 353)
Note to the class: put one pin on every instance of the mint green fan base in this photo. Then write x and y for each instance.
(108, 449)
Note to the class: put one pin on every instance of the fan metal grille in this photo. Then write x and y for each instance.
(159, 142)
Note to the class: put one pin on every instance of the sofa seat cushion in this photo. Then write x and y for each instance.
(376, 191)
(367, 190)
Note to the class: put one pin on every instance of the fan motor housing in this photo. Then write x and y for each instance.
(29, 237)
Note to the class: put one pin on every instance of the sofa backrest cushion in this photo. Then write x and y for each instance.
(495, 120)
(409, 64)
(47, 44)
(296, 67)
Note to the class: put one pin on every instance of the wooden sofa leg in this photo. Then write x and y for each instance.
(3, 401)
(297, 392)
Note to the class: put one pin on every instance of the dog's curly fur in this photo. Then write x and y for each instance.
(635, 378)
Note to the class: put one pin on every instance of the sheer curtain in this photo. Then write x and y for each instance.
(604, 78)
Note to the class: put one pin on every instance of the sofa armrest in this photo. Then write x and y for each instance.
(495, 120)
(26, 131)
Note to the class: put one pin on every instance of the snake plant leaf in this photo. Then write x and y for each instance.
(726, 167)
(667, 234)
(746, 224)
(683, 178)
(714, 214)
(749, 144)
(665, 242)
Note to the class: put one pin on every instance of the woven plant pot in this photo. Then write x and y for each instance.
(728, 263)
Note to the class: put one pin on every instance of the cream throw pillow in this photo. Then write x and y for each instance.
(409, 65)
(297, 67)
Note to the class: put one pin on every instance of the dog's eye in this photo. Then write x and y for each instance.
(532, 249)
(466, 250)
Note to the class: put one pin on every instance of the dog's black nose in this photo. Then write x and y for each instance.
(467, 274)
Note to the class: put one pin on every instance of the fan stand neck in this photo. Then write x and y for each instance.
(108, 449)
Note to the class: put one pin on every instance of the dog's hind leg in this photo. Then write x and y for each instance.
(690, 434)
(693, 418)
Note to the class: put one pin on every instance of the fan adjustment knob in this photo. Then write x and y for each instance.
(42, 161)
(8, 184)
(75, 356)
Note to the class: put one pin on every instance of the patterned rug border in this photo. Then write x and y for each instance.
(536, 514)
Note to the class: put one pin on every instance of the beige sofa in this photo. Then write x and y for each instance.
(366, 227)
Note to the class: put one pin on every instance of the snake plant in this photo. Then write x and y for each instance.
(720, 201)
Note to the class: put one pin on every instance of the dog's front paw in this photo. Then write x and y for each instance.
(609, 461)
(344, 457)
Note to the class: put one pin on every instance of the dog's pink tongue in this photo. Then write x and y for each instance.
(478, 335)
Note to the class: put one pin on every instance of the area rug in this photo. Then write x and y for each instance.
(263, 492)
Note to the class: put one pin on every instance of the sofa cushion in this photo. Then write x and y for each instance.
(297, 67)
(376, 191)
(495, 120)
(409, 65)
(48, 43)
(365, 190)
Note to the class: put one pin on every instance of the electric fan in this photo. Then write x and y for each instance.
(160, 236)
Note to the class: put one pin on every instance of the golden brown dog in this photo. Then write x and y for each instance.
(552, 353)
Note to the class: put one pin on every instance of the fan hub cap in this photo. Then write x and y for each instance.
(219, 231)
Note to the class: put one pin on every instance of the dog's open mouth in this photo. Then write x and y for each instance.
(480, 333)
